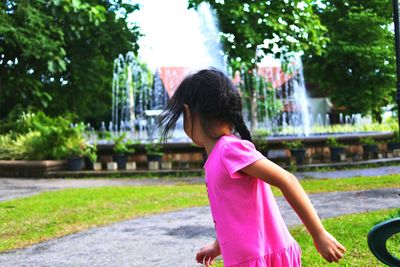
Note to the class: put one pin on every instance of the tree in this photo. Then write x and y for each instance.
(358, 68)
(57, 55)
(250, 25)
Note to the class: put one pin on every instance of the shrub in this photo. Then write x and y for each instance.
(121, 146)
(368, 141)
(154, 149)
(295, 144)
(36, 136)
(333, 142)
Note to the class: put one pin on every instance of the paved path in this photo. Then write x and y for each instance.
(172, 239)
(351, 173)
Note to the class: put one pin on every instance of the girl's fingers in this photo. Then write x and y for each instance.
(341, 248)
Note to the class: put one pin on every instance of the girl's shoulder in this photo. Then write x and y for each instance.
(232, 143)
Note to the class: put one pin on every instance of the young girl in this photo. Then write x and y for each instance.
(249, 227)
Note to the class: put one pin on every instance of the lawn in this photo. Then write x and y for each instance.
(54, 214)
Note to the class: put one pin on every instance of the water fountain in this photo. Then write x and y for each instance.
(141, 90)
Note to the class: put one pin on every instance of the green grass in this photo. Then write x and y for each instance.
(54, 214)
(351, 231)
(313, 186)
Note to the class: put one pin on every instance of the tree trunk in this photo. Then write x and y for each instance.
(377, 116)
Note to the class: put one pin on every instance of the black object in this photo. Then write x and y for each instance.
(299, 155)
(377, 238)
(75, 164)
(370, 148)
(121, 160)
(336, 152)
(393, 145)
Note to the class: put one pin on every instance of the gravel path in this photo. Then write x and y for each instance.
(172, 239)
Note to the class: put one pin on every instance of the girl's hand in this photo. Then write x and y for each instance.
(207, 254)
(329, 248)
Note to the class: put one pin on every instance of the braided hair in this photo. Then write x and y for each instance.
(212, 95)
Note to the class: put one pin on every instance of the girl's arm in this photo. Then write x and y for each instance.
(271, 173)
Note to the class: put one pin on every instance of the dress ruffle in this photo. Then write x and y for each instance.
(288, 257)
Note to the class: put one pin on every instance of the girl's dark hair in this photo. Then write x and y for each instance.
(212, 95)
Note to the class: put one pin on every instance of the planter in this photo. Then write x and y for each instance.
(167, 165)
(75, 164)
(370, 148)
(299, 155)
(88, 163)
(112, 166)
(97, 166)
(121, 160)
(337, 153)
(393, 145)
(131, 165)
(154, 165)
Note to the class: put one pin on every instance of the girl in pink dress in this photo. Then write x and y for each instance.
(249, 227)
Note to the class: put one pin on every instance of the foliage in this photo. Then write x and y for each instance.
(259, 133)
(261, 145)
(367, 141)
(91, 152)
(38, 137)
(248, 26)
(154, 149)
(358, 69)
(57, 56)
(121, 146)
(295, 144)
(333, 142)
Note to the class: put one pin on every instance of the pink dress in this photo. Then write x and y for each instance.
(249, 227)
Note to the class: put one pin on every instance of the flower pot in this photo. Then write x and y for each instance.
(370, 148)
(131, 165)
(75, 164)
(121, 160)
(336, 153)
(112, 166)
(299, 155)
(393, 145)
(154, 165)
(88, 163)
(167, 165)
(96, 166)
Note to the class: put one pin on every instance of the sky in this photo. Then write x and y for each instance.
(173, 35)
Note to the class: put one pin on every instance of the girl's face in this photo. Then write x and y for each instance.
(192, 126)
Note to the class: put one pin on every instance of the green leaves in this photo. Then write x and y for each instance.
(265, 25)
(358, 68)
(37, 137)
(57, 55)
